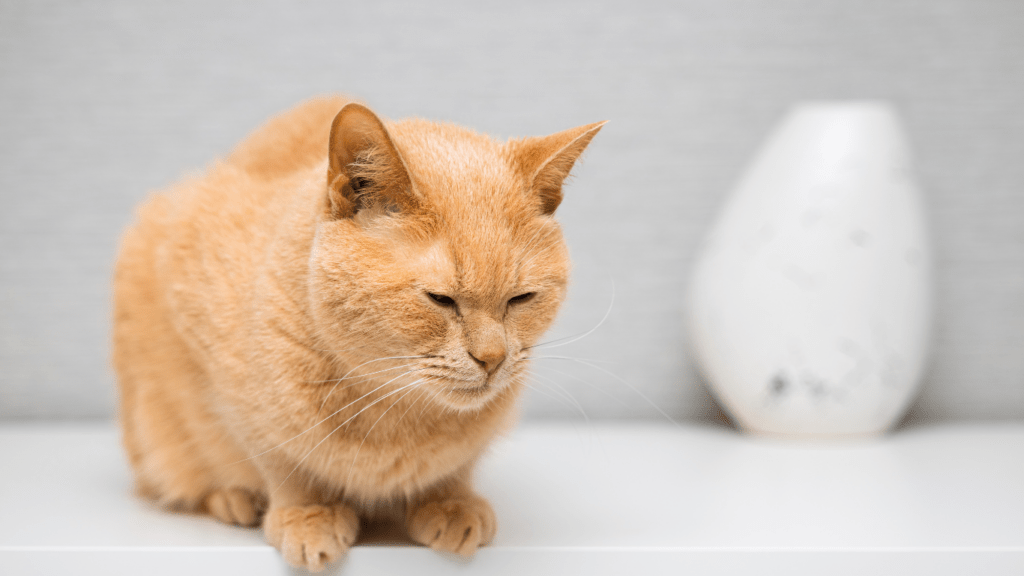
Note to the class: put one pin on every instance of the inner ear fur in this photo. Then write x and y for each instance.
(365, 169)
(547, 161)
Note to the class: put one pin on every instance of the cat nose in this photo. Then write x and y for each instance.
(485, 340)
(489, 359)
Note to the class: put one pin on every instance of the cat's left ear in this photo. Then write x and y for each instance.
(547, 161)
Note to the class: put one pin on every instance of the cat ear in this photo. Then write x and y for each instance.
(547, 160)
(364, 169)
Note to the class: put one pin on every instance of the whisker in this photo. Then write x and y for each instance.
(339, 427)
(365, 377)
(411, 406)
(587, 382)
(360, 366)
(434, 394)
(359, 449)
(325, 419)
(594, 360)
(361, 346)
(563, 391)
(550, 395)
(617, 377)
(577, 337)
(574, 403)
(358, 376)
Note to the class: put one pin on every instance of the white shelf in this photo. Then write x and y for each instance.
(601, 498)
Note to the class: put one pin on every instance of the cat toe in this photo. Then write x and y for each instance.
(456, 525)
(237, 506)
(312, 537)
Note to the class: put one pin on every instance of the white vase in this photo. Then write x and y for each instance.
(810, 303)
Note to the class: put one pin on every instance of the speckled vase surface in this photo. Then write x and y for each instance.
(810, 303)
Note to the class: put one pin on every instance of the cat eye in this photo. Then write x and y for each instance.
(441, 299)
(521, 298)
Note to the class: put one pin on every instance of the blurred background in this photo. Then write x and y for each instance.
(103, 102)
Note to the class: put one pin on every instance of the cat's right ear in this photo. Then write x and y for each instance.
(365, 169)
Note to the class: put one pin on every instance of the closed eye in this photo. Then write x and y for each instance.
(441, 299)
(521, 298)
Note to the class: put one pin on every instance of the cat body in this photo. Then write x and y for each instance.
(334, 322)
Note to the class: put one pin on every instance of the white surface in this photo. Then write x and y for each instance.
(810, 304)
(601, 498)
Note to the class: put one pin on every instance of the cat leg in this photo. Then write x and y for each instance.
(308, 534)
(451, 517)
(237, 506)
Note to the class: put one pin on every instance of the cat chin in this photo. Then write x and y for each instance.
(468, 399)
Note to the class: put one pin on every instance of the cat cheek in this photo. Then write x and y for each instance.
(524, 325)
(537, 321)
(439, 331)
(431, 327)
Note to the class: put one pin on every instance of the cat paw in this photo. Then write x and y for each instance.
(236, 506)
(459, 525)
(311, 537)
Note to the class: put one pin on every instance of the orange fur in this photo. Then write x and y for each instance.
(277, 345)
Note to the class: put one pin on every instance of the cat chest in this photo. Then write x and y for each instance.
(388, 469)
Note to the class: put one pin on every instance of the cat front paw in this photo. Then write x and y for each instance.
(459, 525)
(236, 506)
(311, 537)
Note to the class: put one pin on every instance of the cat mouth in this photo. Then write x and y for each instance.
(470, 397)
(474, 390)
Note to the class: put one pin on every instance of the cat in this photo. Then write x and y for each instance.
(334, 322)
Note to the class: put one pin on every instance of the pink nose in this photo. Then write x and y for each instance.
(489, 358)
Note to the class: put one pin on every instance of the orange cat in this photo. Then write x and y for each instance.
(335, 322)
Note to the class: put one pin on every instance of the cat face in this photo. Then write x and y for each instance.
(437, 251)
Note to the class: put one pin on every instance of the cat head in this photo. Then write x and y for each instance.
(437, 248)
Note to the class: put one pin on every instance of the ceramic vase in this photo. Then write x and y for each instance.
(810, 302)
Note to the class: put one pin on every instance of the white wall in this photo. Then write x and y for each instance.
(101, 102)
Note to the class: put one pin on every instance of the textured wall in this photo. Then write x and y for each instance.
(101, 102)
